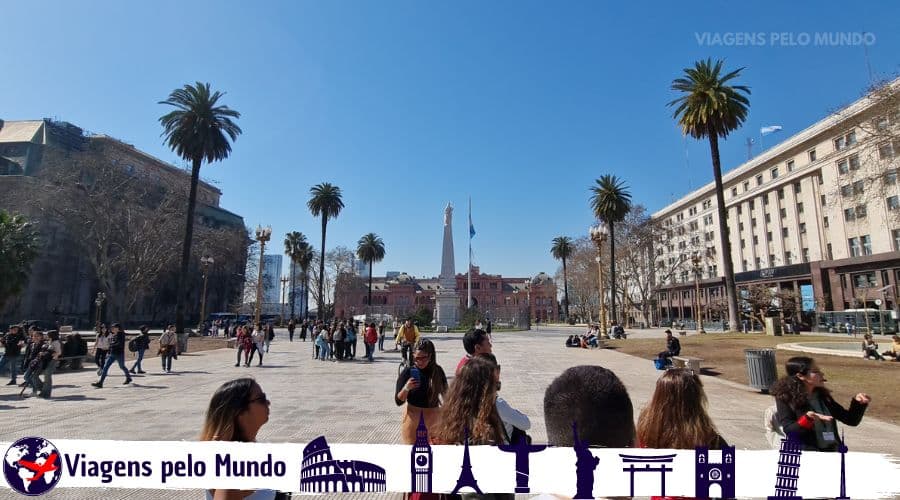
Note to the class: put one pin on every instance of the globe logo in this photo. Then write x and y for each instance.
(32, 466)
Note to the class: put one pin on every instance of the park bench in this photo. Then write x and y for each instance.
(687, 362)
(441, 329)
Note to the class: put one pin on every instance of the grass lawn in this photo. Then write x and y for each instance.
(723, 356)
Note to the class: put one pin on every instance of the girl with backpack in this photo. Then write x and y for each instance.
(101, 347)
(139, 345)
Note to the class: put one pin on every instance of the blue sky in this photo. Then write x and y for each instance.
(407, 105)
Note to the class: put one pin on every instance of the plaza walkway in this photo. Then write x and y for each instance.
(349, 402)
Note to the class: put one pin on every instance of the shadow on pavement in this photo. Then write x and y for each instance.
(76, 397)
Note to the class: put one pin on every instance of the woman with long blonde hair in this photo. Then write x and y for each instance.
(676, 415)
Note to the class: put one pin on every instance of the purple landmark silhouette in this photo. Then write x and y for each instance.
(788, 469)
(522, 449)
(662, 460)
(707, 473)
(421, 465)
(843, 449)
(585, 464)
(466, 479)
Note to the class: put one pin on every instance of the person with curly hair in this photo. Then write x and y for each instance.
(676, 416)
(806, 408)
(471, 406)
(422, 387)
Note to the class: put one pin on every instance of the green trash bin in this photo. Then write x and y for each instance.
(761, 368)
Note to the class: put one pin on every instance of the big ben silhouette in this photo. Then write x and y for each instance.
(420, 463)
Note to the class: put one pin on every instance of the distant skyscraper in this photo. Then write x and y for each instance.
(391, 274)
(299, 296)
(361, 268)
(271, 282)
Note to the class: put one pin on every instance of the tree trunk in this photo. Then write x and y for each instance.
(293, 288)
(565, 291)
(370, 288)
(612, 273)
(180, 297)
(724, 236)
(320, 314)
(306, 292)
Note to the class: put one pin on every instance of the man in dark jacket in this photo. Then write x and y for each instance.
(141, 343)
(13, 342)
(673, 347)
(116, 355)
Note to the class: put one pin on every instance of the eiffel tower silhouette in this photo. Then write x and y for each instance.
(466, 479)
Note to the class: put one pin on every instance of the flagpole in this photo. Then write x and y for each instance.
(469, 284)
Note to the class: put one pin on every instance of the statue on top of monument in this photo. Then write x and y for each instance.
(448, 214)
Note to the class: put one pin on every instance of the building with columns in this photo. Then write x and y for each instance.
(818, 215)
(499, 298)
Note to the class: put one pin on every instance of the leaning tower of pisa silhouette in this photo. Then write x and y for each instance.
(788, 469)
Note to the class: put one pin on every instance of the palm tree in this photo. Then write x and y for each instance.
(307, 253)
(561, 250)
(611, 203)
(197, 130)
(325, 201)
(370, 249)
(709, 107)
(294, 243)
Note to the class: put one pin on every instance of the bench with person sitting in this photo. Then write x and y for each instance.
(673, 348)
(74, 352)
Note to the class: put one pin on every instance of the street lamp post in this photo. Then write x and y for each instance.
(284, 282)
(263, 234)
(599, 234)
(528, 303)
(101, 298)
(696, 261)
(205, 262)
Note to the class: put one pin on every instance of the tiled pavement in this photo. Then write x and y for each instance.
(349, 402)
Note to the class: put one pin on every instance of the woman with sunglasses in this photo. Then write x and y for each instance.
(422, 387)
(805, 407)
(236, 412)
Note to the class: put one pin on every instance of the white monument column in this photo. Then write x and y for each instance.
(446, 299)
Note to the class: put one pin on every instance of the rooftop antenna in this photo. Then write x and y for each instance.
(687, 162)
(868, 62)
(749, 148)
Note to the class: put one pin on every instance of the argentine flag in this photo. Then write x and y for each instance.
(769, 130)
(471, 228)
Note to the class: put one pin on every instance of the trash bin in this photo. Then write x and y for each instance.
(761, 368)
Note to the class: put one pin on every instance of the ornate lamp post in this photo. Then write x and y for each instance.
(697, 260)
(528, 303)
(599, 233)
(263, 234)
(101, 298)
(205, 262)
(284, 282)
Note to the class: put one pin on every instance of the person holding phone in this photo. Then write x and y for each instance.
(422, 387)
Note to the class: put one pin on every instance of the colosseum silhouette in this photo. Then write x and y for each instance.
(321, 473)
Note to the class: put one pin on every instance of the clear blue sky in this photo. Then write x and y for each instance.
(409, 104)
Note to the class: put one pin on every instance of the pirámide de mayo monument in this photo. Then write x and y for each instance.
(446, 299)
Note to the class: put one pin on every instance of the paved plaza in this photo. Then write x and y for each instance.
(351, 402)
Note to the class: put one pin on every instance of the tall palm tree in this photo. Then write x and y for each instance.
(611, 203)
(293, 248)
(307, 253)
(562, 250)
(198, 129)
(370, 249)
(709, 107)
(325, 201)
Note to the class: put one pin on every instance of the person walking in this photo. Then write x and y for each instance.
(303, 329)
(259, 340)
(422, 387)
(53, 350)
(351, 339)
(270, 336)
(321, 341)
(370, 338)
(101, 347)
(340, 332)
(141, 344)
(291, 327)
(240, 337)
(805, 407)
(116, 355)
(13, 342)
(381, 336)
(168, 348)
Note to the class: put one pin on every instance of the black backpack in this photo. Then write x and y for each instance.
(133, 345)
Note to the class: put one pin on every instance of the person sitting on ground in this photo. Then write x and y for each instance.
(870, 348)
(237, 410)
(595, 400)
(573, 341)
(673, 348)
(475, 342)
(807, 409)
(894, 351)
(676, 416)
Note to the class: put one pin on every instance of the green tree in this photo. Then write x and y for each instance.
(198, 129)
(307, 254)
(294, 246)
(18, 249)
(611, 203)
(370, 249)
(710, 107)
(561, 250)
(325, 201)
